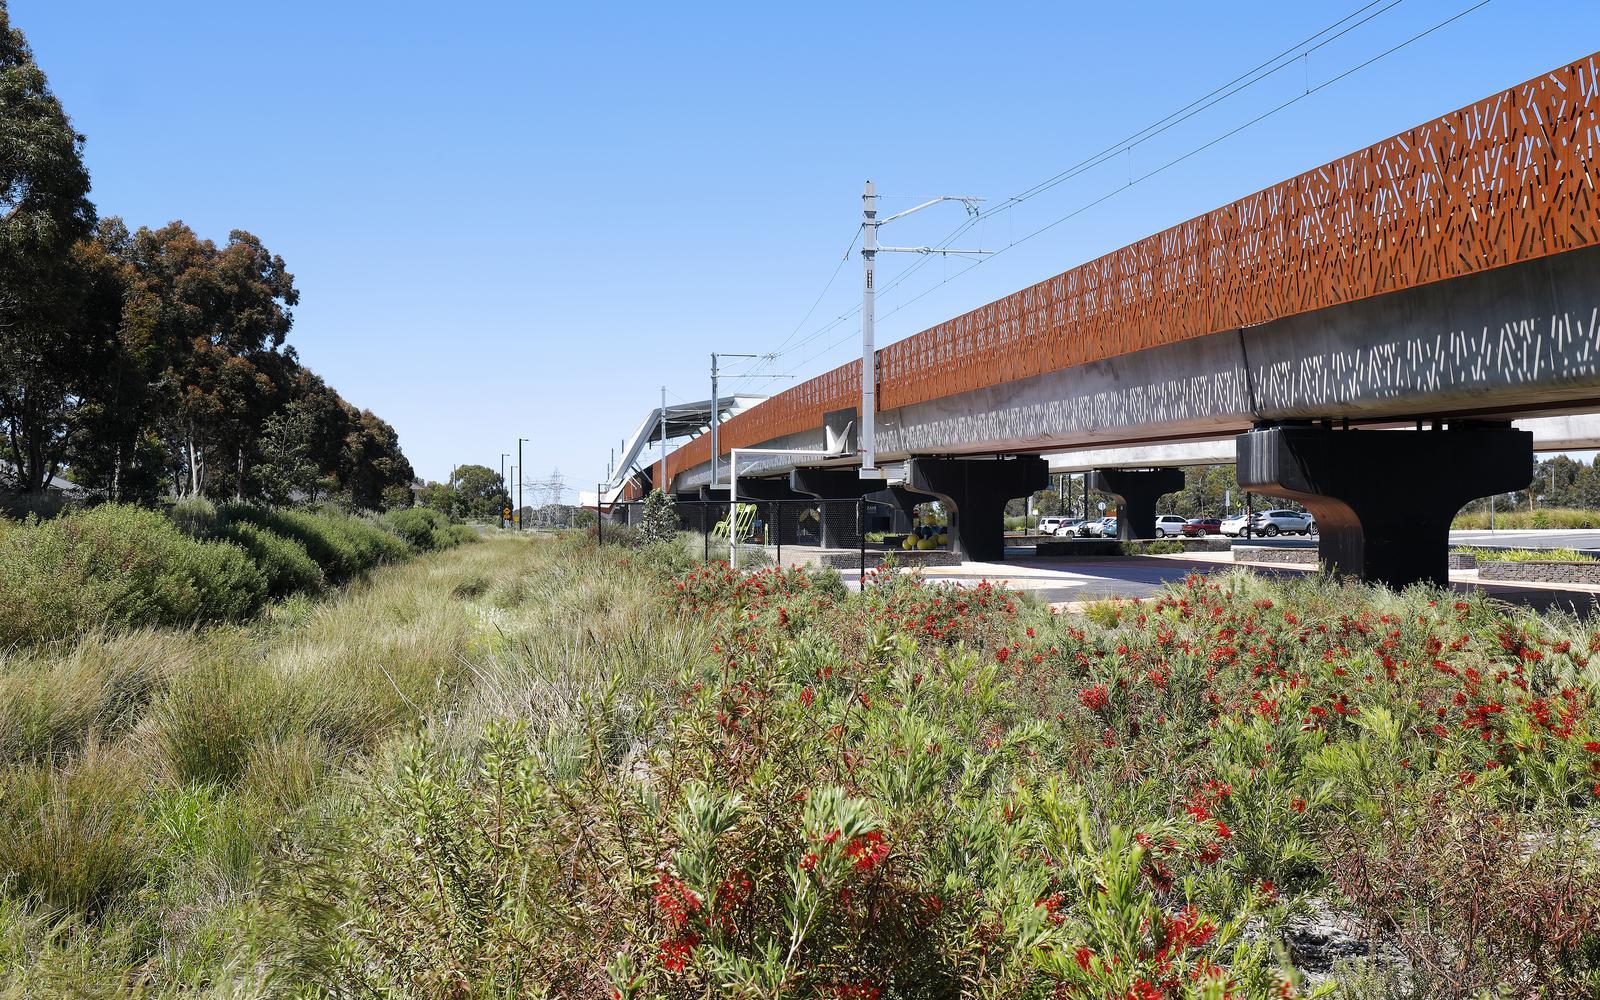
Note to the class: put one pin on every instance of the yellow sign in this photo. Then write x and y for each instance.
(506, 512)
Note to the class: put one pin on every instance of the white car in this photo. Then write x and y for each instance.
(1169, 525)
(1270, 523)
(1049, 525)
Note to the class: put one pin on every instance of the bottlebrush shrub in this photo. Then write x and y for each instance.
(923, 792)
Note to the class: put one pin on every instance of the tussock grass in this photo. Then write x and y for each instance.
(1524, 520)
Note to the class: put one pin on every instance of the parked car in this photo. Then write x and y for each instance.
(1200, 527)
(1284, 522)
(1169, 525)
(1233, 527)
(1105, 527)
(1069, 526)
(1269, 523)
(1049, 525)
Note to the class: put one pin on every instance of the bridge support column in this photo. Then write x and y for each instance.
(839, 490)
(780, 507)
(1137, 490)
(975, 492)
(1384, 500)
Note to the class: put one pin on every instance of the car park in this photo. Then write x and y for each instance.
(1200, 527)
(1169, 525)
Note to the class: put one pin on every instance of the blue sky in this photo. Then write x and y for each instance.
(521, 219)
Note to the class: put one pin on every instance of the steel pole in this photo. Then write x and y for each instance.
(867, 418)
(715, 407)
(522, 473)
(661, 484)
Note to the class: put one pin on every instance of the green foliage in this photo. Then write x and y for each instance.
(288, 568)
(422, 528)
(343, 545)
(120, 566)
(660, 520)
(1487, 554)
(71, 837)
(1525, 520)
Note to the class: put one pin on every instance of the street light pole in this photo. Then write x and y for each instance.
(868, 445)
(521, 472)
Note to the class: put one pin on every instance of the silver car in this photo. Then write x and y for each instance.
(1284, 522)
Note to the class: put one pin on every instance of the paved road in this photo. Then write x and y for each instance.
(1588, 538)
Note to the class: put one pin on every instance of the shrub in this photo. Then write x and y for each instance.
(284, 562)
(195, 517)
(120, 566)
(342, 544)
(423, 528)
(1522, 520)
(1526, 555)
(660, 518)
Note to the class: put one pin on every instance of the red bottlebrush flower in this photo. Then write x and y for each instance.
(675, 952)
(1593, 746)
(1085, 959)
(807, 696)
(1003, 654)
(808, 862)
(1298, 805)
(867, 850)
(1210, 853)
(1142, 989)
(1094, 698)
(1223, 831)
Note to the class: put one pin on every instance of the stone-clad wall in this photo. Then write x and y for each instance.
(1587, 571)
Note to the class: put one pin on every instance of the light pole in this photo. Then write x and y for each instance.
(520, 474)
(868, 446)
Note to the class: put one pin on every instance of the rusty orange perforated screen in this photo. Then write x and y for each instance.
(1510, 178)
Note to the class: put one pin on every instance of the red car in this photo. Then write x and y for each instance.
(1200, 527)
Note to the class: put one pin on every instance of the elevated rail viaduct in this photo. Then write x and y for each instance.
(1445, 281)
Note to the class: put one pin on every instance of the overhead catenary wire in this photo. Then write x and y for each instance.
(1135, 180)
(1249, 78)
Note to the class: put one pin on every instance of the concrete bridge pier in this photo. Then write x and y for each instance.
(1137, 491)
(1384, 500)
(839, 491)
(783, 519)
(975, 491)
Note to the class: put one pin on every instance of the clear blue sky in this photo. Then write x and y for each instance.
(520, 219)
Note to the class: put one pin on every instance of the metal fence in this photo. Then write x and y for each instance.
(760, 532)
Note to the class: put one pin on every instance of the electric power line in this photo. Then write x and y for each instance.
(1132, 181)
(1285, 58)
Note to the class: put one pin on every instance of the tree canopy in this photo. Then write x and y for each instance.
(154, 361)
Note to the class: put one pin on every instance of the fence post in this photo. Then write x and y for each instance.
(705, 530)
(777, 512)
(861, 535)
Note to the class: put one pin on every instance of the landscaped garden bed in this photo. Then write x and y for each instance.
(633, 775)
